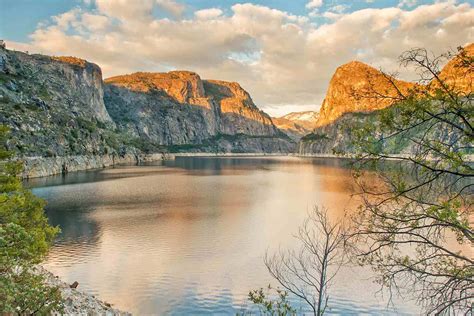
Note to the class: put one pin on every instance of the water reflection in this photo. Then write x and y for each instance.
(187, 236)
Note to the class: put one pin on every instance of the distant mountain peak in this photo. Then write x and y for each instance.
(304, 116)
(297, 124)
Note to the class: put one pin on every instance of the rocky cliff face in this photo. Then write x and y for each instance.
(62, 117)
(350, 89)
(333, 138)
(53, 105)
(290, 128)
(456, 75)
(179, 109)
(345, 108)
(166, 109)
(239, 115)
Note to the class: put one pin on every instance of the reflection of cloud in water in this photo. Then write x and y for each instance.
(191, 235)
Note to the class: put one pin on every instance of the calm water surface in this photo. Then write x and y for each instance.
(187, 237)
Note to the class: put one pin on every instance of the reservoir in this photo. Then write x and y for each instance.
(188, 236)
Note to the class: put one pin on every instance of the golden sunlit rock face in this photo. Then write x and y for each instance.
(349, 83)
(357, 89)
(183, 86)
(71, 60)
(457, 75)
(290, 128)
(187, 87)
(179, 108)
(231, 106)
(237, 109)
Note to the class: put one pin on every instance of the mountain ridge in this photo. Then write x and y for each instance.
(59, 112)
(296, 124)
(354, 95)
(348, 82)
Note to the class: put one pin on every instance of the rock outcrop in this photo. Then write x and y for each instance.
(238, 113)
(77, 302)
(456, 75)
(354, 95)
(179, 109)
(290, 128)
(63, 117)
(53, 106)
(35, 167)
(351, 89)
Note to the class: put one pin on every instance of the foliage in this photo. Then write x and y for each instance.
(314, 137)
(415, 227)
(272, 304)
(25, 237)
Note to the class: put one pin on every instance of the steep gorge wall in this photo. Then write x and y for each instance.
(53, 106)
(353, 99)
(353, 89)
(178, 108)
(63, 117)
(238, 114)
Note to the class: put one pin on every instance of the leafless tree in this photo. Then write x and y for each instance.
(308, 272)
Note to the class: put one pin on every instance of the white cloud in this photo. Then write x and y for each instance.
(206, 14)
(283, 60)
(173, 7)
(314, 4)
(340, 8)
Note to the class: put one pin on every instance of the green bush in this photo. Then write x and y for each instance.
(314, 137)
(25, 237)
(87, 125)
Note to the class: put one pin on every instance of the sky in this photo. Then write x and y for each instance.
(283, 52)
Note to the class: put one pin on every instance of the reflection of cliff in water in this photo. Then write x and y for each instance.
(80, 233)
(75, 225)
(111, 173)
(218, 165)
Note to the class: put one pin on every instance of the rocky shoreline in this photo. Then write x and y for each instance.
(36, 167)
(77, 302)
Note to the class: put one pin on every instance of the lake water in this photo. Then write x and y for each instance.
(187, 237)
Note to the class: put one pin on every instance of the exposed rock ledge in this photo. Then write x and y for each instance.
(35, 167)
(77, 302)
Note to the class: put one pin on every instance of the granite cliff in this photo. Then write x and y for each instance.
(348, 90)
(181, 110)
(53, 105)
(458, 76)
(348, 103)
(63, 117)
